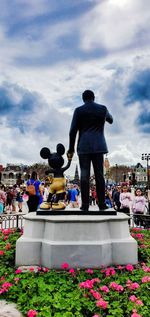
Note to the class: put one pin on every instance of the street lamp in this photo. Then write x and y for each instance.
(116, 173)
(146, 157)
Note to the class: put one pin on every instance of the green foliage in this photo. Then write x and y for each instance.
(60, 293)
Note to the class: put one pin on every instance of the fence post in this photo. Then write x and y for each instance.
(17, 220)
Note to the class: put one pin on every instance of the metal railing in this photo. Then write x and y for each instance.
(142, 221)
(17, 220)
(11, 221)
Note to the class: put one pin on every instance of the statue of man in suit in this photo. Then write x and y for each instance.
(89, 120)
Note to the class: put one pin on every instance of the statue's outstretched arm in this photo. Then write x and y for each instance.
(67, 166)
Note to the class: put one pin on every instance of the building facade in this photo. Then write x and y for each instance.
(11, 175)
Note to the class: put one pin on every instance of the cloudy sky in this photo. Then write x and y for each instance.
(51, 51)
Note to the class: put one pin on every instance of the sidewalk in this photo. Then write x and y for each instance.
(24, 209)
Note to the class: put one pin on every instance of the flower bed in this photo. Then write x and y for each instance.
(113, 291)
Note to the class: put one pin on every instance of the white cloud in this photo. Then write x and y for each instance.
(64, 95)
(114, 25)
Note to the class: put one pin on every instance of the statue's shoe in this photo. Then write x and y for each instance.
(58, 206)
(45, 205)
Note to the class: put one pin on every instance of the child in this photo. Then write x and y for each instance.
(19, 199)
(138, 207)
(125, 200)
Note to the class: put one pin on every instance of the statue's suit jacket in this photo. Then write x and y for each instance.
(89, 120)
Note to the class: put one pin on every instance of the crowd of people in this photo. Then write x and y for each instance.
(122, 198)
(11, 198)
(126, 199)
(129, 200)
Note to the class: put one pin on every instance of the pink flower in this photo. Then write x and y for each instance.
(129, 267)
(128, 282)
(32, 313)
(110, 271)
(5, 238)
(65, 266)
(116, 287)
(120, 267)
(18, 271)
(140, 236)
(95, 280)
(139, 302)
(87, 284)
(136, 229)
(5, 287)
(134, 286)
(102, 303)
(72, 272)
(95, 316)
(31, 269)
(131, 285)
(16, 279)
(95, 294)
(45, 269)
(6, 231)
(2, 291)
(146, 269)
(145, 279)
(104, 289)
(39, 268)
(89, 271)
(133, 298)
(2, 252)
(135, 315)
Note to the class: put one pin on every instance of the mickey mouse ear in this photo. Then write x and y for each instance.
(60, 149)
(45, 153)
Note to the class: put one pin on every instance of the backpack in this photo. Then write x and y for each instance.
(31, 189)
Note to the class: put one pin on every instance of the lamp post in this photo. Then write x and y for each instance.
(116, 173)
(146, 157)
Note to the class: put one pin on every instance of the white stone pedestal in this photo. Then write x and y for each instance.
(81, 241)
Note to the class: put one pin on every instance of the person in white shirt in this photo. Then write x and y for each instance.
(139, 204)
(125, 200)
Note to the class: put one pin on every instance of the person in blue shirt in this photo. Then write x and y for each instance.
(74, 196)
(34, 200)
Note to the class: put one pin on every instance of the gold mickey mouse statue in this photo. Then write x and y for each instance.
(58, 182)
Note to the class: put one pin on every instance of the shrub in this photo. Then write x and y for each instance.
(113, 291)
